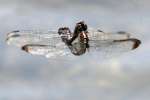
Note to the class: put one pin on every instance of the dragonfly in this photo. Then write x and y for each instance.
(55, 44)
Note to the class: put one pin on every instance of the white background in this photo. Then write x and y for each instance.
(27, 77)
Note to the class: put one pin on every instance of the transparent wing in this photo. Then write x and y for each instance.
(46, 50)
(49, 43)
(111, 44)
(38, 43)
(97, 35)
(20, 38)
(113, 48)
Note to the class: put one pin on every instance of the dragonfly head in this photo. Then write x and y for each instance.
(81, 26)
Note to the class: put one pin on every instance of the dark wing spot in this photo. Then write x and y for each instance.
(15, 35)
(25, 48)
(136, 42)
(15, 31)
(122, 32)
(9, 35)
(99, 30)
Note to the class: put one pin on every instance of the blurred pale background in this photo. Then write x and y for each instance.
(27, 77)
